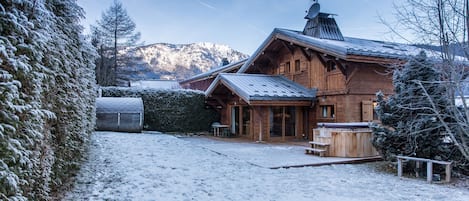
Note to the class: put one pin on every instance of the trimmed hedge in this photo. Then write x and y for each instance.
(170, 110)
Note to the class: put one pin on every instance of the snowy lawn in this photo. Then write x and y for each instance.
(162, 167)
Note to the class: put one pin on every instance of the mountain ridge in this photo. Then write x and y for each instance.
(176, 61)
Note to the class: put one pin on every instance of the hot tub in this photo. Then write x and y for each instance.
(346, 139)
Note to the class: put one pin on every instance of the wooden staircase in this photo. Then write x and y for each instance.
(320, 148)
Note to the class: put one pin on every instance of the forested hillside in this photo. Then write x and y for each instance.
(47, 95)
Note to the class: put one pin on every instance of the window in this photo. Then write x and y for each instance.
(297, 65)
(287, 67)
(331, 66)
(327, 111)
(369, 111)
(375, 114)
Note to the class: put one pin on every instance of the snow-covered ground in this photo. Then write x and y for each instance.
(163, 167)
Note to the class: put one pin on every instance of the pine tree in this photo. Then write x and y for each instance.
(444, 23)
(113, 32)
(409, 125)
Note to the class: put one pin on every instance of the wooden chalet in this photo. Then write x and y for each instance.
(202, 81)
(296, 79)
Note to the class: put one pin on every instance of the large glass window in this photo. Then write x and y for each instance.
(235, 120)
(246, 120)
(290, 121)
(282, 121)
(276, 121)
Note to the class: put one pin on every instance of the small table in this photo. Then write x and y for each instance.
(216, 129)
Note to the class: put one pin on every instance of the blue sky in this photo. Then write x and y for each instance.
(242, 24)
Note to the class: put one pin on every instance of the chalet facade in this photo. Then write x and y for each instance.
(296, 79)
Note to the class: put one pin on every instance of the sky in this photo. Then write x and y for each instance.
(242, 24)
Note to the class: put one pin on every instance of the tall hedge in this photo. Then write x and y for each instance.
(47, 97)
(170, 110)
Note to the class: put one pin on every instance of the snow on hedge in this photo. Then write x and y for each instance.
(46, 97)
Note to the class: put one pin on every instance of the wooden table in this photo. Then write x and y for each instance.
(216, 129)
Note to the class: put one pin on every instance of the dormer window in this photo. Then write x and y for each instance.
(297, 65)
(287, 67)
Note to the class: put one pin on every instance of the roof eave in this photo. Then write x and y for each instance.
(298, 40)
(208, 75)
(259, 51)
(212, 87)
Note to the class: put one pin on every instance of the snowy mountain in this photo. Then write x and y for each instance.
(176, 61)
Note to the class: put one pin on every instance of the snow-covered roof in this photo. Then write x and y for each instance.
(119, 104)
(341, 49)
(156, 84)
(214, 72)
(257, 87)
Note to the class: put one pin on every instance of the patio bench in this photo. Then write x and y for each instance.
(429, 162)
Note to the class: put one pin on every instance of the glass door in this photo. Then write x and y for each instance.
(246, 121)
(290, 121)
(235, 119)
(282, 121)
(276, 121)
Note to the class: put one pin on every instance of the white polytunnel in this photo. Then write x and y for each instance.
(119, 114)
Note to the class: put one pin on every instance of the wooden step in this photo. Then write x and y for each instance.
(313, 150)
(319, 143)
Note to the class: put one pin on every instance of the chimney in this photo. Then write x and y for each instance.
(321, 25)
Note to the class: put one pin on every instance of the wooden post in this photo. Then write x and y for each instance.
(418, 165)
(448, 172)
(429, 171)
(399, 167)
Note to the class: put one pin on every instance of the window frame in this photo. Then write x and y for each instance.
(297, 66)
(327, 111)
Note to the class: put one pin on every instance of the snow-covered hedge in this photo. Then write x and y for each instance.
(47, 95)
(170, 110)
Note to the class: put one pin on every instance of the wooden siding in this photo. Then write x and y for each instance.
(348, 108)
(346, 142)
(311, 74)
(201, 85)
(369, 79)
